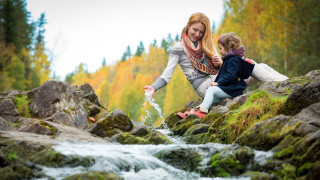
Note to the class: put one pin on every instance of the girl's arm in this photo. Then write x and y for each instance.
(231, 74)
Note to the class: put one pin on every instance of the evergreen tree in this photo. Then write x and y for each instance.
(40, 61)
(15, 24)
(126, 55)
(140, 49)
(154, 44)
(104, 63)
(177, 38)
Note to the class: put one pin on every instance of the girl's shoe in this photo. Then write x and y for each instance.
(183, 115)
(197, 112)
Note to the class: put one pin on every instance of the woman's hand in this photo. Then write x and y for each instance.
(214, 84)
(216, 60)
(149, 89)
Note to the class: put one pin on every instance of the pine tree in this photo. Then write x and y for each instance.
(126, 55)
(15, 24)
(104, 63)
(140, 49)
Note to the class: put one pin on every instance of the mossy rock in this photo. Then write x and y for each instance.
(267, 134)
(154, 137)
(302, 97)
(224, 165)
(183, 125)
(171, 120)
(94, 175)
(287, 171)
(16, 171)
(49, 157)
(259, 175)
(182, 158)
(305, 168)
(126, 138)
(107, 127)
(17, 152)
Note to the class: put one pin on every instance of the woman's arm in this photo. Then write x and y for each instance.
(165, 77)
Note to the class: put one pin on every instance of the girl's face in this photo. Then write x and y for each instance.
(196, 31)
(222, 51)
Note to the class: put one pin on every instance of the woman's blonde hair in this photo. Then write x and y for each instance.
(207, 43)
(230, 40)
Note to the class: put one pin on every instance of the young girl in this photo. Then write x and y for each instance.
(230, 81)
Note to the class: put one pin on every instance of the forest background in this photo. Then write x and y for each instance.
(284, 34)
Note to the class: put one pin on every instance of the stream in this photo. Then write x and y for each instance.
(140, 162)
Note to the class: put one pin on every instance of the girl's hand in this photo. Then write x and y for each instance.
(214, 84)
(149, 89)
(216, 60)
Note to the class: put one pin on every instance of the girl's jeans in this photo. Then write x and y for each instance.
(213, 95)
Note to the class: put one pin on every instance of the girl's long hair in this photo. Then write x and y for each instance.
(207, 43)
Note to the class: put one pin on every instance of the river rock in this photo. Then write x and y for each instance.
(94, 175)
(90, 94)
(107, 126)
(4, 125)
(39, 127)
(153, 137)
(182, 158)
(303, 97)
(8, 110)
(140, 130)
(55, 96)
(62, 118)
(50, 158)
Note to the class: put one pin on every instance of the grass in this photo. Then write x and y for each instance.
(260, 106)
(22, 104)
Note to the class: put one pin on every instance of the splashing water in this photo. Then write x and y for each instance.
(135, 162)
(151, 101)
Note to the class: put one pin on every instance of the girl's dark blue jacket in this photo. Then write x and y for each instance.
(232, 74)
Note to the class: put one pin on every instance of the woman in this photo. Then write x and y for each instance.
(199, 60)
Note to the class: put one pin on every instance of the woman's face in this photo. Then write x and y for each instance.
(222, 51)
(196, 31)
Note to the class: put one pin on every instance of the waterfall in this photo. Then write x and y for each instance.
(149, 99)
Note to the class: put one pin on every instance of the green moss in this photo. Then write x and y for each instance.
(22, 104)
(52, 129)
(260, 105)
(234, 106)
(17, 124)
(13, 156)
(305, 168)
(16, 171)
(183, 125)
(285, 153)
(286, 173)
(49, 157)
(224, 165)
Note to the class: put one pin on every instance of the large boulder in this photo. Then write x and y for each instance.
(55, 96)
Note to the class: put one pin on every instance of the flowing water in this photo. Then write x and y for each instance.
(140, 162)
(151, 101)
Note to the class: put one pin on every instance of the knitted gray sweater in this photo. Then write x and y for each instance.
(178, 56)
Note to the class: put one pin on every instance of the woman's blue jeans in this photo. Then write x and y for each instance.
(213, 95)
